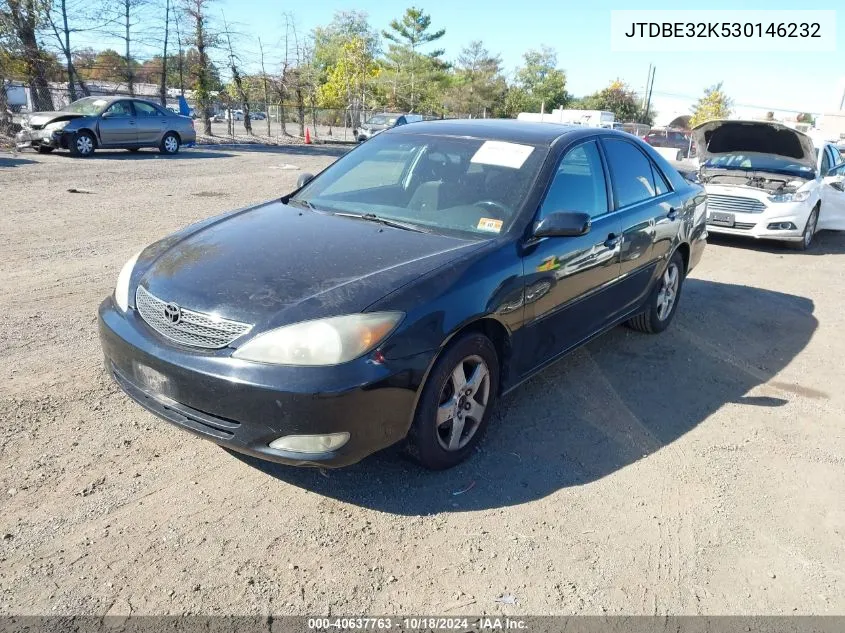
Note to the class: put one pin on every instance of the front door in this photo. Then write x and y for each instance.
(832, 215)
(568, 280)
(117, 126)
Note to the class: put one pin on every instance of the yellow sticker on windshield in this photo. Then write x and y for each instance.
(489, 224)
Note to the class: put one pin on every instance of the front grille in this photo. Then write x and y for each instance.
(744, 226)
(734, 204)
(194, 328)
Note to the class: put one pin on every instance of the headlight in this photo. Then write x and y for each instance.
(322, 342)
(121, 289)
(58, 125)
(798, 196)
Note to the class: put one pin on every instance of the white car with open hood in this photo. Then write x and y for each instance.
(767, 181)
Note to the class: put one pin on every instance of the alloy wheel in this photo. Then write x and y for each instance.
(463, 400)
(668, 292)
(810, 229)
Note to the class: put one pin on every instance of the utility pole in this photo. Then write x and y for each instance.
(650, 88)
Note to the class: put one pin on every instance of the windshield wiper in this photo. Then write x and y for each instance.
(372, 217)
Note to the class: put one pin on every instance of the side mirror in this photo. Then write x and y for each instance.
(304, 179)
(107, 115)
(563, 224)
(837, 184)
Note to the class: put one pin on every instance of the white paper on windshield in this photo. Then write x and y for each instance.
(502, 154)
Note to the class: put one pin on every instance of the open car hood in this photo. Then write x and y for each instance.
(721, 137)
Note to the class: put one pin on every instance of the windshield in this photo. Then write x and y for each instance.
(88, 105)
(382, 119)
(446, 185)
(759, 162)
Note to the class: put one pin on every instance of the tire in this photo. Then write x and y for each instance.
(809, 232)
(44, 149)
(82, 144)
(656, 316)
(170, 143)
(445, 429)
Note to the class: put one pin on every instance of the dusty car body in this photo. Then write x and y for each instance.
(95, 123)
(765, 180)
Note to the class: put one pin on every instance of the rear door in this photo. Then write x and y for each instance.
(150, 122)
(832, 214)
(645, 204)
(117, 125)
(568, 279)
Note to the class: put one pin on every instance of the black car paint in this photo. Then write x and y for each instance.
(537, 298)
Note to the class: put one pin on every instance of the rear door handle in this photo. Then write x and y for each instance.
(612, 240)
(673, 214)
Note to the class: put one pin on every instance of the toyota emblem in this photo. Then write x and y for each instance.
(173, 313)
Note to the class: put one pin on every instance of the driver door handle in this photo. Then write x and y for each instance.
(673, 213)
(612, 240)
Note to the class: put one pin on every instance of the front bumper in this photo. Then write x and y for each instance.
(755, 225)
(38, 138)
(244, 406)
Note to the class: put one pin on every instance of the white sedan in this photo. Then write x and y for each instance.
(767, 181)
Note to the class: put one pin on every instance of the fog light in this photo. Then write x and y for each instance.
(782, 226)
(310, 443)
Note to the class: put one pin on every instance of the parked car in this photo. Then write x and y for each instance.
(257, 116)
(235, 115)
(95, 123)
(767, 181)
(400, 292)
(671, 138)
(381, 122)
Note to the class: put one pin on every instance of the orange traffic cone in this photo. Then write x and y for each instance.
(307, 136)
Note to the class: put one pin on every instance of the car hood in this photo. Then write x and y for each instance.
(718, 138)
(40, 119)
(276, 264)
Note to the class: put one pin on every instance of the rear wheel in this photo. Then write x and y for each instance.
(82, 144)
(169, 144)
(663, 302)
(456, 403)
(809, 232)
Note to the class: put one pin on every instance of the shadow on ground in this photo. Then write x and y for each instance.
(826, 243)
(600, 409)
(294, 150)
(13, 161)
(148, 154)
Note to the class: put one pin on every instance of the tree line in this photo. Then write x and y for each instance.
(347, 64)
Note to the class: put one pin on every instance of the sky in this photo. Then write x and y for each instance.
(778, 81)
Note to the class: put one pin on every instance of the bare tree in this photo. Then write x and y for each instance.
(162, 87)
(264, 85)
(65, 18)
(181, 64)
(23, 19)
(202, 40)
(237, 80)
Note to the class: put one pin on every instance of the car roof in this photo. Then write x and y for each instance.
(501, 130)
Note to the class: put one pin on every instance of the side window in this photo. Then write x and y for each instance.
(145, 109)
(660, 184)
(837, 155)
(122, 109)
(579, 183)
(630, 172)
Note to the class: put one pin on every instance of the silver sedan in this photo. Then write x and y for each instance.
(104, 123)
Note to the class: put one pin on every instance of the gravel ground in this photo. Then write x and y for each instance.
(700, 471)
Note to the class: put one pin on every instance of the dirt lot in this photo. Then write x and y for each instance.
(700, 471)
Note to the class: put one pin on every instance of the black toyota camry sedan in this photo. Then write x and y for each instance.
(398, 294)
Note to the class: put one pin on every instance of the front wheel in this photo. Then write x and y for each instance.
(456, 403)
(82, 144)
(169, 144)
(663, 301)
(809, 232)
